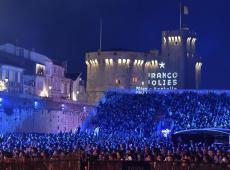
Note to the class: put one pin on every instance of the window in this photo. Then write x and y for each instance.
(11, 76)
(21, 52)
(134, 80)
(5, 74)
(68, 88)
(18, 77)
(62, 87)
(118, 82)
(40, 69)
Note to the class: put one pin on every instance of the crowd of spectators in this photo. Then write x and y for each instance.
(123, 128)
(88, 146)
(139, 114)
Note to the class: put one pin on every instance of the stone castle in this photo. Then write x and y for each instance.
(177, 66)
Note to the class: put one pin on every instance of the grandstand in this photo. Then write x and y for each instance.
(125, 113)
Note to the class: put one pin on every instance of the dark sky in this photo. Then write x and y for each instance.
(66, 29)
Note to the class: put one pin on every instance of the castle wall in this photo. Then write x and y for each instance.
(114, 69)
(21, 114)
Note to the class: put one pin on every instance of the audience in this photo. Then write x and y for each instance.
(85, 146)
(140, 114)
(125, 126)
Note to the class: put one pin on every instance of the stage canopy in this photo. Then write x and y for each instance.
(209, 131)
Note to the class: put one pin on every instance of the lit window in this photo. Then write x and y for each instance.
(170, 39)
(134, 80)
(119, 61)
(2, 86)
(128, 61)
(188, 40)
(153, 63)
(175, 38)
(124, 61)
(44, 93)
(142, 62)
(165, 40)
(198, 65)
(139, 62)
(87, 63)
(118, 82)
(147, 64)
(40, 69)
(193, 41)
(107, 61)
(111, 61)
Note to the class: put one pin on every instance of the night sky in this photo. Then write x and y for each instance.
(66, 29)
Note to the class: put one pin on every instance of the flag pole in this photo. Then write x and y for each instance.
(100, 33)
(180, 15)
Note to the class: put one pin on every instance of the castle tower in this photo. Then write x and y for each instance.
(177, 67)
(179, 54)
(113, 69)
(116, 69)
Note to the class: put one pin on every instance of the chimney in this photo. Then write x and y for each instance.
(65, 66)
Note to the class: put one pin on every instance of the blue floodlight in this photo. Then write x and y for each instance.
(62, 106)
(166, 132)
(35, 104)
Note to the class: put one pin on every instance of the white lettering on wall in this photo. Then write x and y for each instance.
(163, 80)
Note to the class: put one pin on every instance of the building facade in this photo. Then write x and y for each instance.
(11, 78)
(30, 73)
(176, 67)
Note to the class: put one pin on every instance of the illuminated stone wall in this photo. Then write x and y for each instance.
(20, 114)
(114, 69)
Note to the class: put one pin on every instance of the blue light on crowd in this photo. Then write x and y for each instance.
(1, 101)
(35, 104)
(166, 132)
(62, 106)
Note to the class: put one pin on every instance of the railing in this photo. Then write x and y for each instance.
(76, 164)
(71, 164)
(145, 165)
